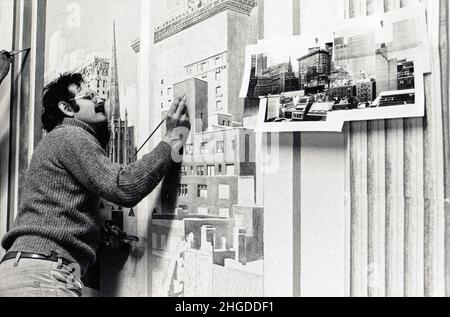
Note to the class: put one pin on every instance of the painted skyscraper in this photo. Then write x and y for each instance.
(207, 222)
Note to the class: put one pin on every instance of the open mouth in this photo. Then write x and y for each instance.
(100, 108)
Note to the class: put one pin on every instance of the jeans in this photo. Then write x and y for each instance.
(39, 278)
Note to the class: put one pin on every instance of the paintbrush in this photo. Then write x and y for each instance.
(148, 139)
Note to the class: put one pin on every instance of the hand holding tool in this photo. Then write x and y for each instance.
(156, 129)
(13, 53)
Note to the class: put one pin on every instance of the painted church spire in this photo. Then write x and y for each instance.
(113, 94)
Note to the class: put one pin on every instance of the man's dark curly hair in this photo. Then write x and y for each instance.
(55, 92)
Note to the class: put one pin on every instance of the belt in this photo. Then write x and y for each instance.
(25, 255)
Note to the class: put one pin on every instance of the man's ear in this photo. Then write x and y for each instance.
(66, 109)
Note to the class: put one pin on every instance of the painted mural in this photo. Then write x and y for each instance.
(205, 230)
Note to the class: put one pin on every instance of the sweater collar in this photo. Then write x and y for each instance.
(80, 124)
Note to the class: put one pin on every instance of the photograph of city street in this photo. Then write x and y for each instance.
(321, 86)
(357, 73)
(326, 89)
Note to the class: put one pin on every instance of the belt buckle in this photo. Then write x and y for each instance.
(54, 256)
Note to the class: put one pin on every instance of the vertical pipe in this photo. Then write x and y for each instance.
(395, 236)
(261, 13)
(376, 208)
(444, 60)
(38, 67)
(7, 18)
(296, 22)
(359, 211)
(296, 220)
(119, 140)
(414, 207)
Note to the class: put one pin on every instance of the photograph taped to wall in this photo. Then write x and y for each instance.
(367, 68)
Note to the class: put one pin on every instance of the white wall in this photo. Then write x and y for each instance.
(323, 215)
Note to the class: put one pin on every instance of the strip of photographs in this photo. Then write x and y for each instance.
(370, 68)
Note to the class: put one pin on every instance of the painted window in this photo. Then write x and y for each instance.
(183, 190)
(189, 149)
(388, 5)
(202, 191)
(370, 7)
(163, 241)
(203, 147)
(224, 192)
(184, 170)
(200, 170)
(218, 75)
(210, 170)
(220, 147)
(154, 240)
(230, 170)
(352, 9)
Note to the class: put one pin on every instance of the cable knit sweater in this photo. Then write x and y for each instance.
(68, 173)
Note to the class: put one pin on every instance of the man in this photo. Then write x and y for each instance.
(55, 236)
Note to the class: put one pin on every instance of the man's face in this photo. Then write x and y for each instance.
(92, 107)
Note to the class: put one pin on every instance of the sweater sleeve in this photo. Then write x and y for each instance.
(127, 185)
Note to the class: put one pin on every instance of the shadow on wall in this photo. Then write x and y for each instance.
(117, 268)
(169, 191)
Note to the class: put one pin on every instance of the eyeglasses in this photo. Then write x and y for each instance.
(90, 95)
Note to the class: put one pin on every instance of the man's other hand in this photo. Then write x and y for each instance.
(177, 122)
(5, 64)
